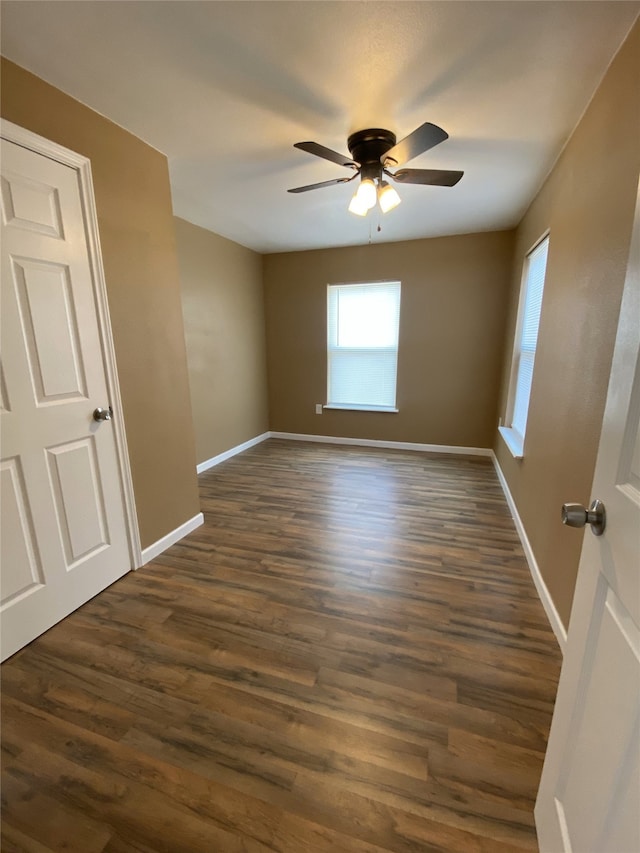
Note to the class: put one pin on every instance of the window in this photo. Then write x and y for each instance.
(362, 345)
(525, 347)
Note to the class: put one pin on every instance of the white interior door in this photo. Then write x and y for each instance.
(589, 797)
(64, 533)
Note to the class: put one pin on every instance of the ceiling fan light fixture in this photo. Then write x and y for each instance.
(388, 198)
(367, 194)
(356, 206)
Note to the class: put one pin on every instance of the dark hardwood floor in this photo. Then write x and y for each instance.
(349, 655)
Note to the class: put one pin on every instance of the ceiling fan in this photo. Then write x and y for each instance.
(373, 153)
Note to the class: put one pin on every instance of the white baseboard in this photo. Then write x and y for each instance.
(391, 445)
(547, 602)
(216, 460)
(161, 545)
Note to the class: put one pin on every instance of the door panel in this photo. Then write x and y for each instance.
(22, 570)
(31, 205)
(50, 330)
(613, 637)
(77, 495)
(65, 533)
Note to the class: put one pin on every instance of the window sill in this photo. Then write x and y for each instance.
(513, 441)
(354, 407)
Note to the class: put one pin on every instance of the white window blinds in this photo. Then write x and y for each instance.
(362, 344)
(526, 352)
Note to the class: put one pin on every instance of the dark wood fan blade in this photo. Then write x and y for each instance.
(432, 177)
(321, 184)
(422, 139)
(326, 153)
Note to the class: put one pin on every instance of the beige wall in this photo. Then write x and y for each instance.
(587, 203)
(133, 200)
(223, 308)
(453, 308)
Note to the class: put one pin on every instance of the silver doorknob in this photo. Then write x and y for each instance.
(100, 414)
(575, 515)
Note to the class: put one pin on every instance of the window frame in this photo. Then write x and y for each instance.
(512, 438)
(361, 407)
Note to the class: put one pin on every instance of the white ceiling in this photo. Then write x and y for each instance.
(224, 89)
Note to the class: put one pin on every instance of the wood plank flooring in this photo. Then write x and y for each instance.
(349, 655)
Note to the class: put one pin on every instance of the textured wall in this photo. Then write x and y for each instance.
(588, 204)
(452, 316)
(223, 306)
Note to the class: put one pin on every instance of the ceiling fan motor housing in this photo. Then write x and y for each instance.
(368, 148)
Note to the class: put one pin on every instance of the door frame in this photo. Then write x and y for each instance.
(82, 166)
